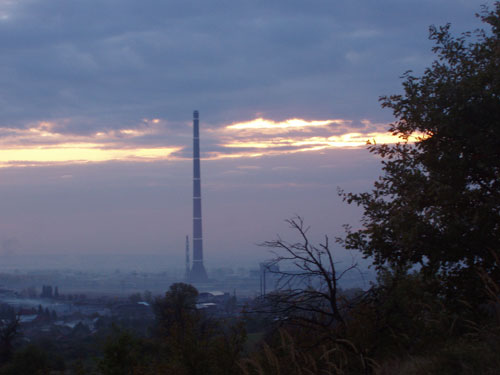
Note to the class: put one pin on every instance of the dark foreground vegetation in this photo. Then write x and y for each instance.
(431, 225)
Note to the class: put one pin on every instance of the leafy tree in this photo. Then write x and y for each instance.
(177, 310)
(124, 353)
(33, 360)
(147, 296)
(135, 297)
(437, 205)
(9, 332)
(185, 341)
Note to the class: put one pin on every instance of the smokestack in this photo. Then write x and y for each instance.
(186, 275)
(198, 273)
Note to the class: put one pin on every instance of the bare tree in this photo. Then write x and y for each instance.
(307, 290)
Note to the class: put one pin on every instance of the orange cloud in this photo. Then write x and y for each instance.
(270, 125)
(79, 153)
(266, 137)
(43, 144)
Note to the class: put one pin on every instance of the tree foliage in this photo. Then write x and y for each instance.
(9, 332)
(176, 311)
(437, 205)
(190, 342)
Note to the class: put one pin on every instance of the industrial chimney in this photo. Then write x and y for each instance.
(198, 273)
(186, 275)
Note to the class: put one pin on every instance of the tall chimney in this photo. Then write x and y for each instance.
(198, 273)
(186, 275)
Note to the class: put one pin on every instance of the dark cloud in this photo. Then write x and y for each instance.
(107, 64)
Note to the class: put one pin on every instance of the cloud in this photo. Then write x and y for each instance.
(152, 140)
(103, 90)
(93, 81)
(261, 136)
(45, 144)
(270, 125)
(108, 64)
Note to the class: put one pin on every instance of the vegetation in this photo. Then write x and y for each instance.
(184, 341)
(431, 225)
(437, 205)
(308, 292)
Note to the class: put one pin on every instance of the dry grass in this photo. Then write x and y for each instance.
(338, 358)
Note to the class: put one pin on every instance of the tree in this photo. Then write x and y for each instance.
(9, 332)
(311, 309)
(177, 310)
(123, 353)
(437, 204)
(134, 297)
(190, 342)
(147, 296)
(33, 359)
(307, 292)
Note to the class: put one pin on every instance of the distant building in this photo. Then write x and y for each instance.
(134, 310)
(46, 291)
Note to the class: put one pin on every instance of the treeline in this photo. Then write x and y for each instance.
(396, 327)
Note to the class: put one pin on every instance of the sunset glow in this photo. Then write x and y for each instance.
(268, 137)
(41, 144)
(294, 123)
(79, 153)
(46, 143)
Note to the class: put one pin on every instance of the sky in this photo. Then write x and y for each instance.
(96, 102)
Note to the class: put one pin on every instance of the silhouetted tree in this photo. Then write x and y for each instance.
(147, 296)
(9, 331)
(437, 205)
(124, 353)
(307, 287)
(177, 309)
(308, 300)
(135, 297)
(192, 342)
(33, 360)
